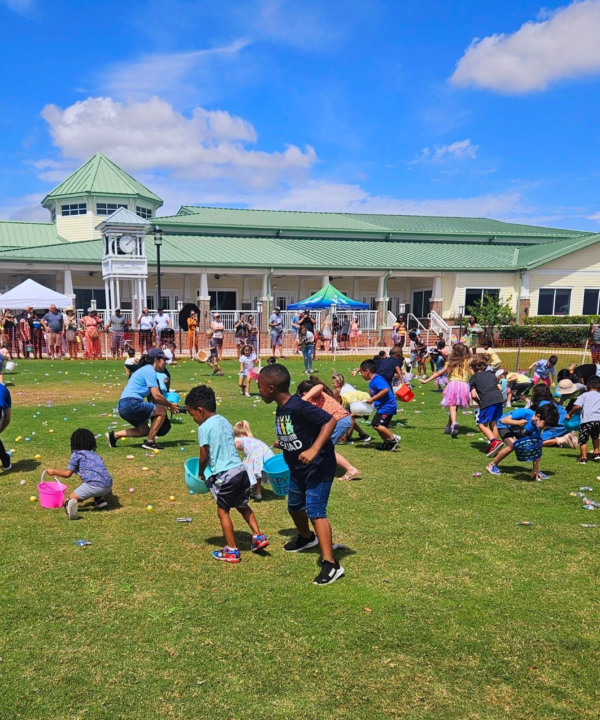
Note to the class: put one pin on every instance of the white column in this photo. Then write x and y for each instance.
(133, 301)
(302, 289)
(325, 281)
(246, 292)
(437, 288)
(187, 292)
(265, 287)
(113, 298)
(381, 287)
(118, 287)
(356, 290)
(106, 295)
(68, 283)
(525, 286)
(204, 286)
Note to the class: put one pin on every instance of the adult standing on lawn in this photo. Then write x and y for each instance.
(146, 326)
(134, 407)
(276, 327)
(595, 341)
(309, 322)
(116, 325)
(218, 331)
(25, 332)
(162, 327)
(241, 332)
(253, 333)
(473, 332)
(71, 333)
(91, 323)
(54, 326)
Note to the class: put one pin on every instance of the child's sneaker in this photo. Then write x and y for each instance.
(582, 460)
(247, 394)
(259, 542)
(495, 445)
(258, 498)
(100, 503)
(454, 430)
(298, 544)
(539, 476)
(71, 507)
(493, 469)
(330, 572)
(111, 440)
(227, 554)
(390, 445)
(366, 440)
(595, 457)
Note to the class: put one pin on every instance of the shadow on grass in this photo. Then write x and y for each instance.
(26, 465)
(341, 551)
(113, 504)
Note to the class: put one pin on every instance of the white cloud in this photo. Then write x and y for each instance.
(165, 74)
(562, 44)
(152, 135)
(22, 7)
(459, 150)
(26, 208)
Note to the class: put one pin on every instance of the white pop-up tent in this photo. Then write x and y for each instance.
(31, 294)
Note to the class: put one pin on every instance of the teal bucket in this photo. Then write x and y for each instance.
(278, 474)
(197, 486)
(172, 397)
(573, 423)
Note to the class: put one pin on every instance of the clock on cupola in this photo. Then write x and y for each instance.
(124, 261)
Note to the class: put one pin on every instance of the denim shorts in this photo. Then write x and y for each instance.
(310, 494)
(90, 490)
(135, 411)
(490, 413)
(342, 429)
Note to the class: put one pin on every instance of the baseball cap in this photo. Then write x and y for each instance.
(156, 354)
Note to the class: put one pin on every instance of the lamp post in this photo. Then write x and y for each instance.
(461, 312)
(158, 233)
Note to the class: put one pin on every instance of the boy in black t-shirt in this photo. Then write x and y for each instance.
(487, 393)
(304, 434)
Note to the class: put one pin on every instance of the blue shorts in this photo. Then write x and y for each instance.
(342, 429)
(310, 494)
(490, 413)
(135, 411)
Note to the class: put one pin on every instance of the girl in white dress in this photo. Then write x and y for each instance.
(255, 453)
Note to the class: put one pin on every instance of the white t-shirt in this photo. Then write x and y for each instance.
(146, 322)
(589, 403)
(162, 322)
(217, 328)
(247, 362)
(169, 355)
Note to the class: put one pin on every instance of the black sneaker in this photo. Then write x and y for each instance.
(152, 445)
(390, 445)
(582, 460)
(366, 439)
(111, 440)
(6, 463)
(330, 572)
(298, 544)
(100, 503)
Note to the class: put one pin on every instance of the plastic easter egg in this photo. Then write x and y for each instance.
(32, 498)
(131, 490)
(149, 508)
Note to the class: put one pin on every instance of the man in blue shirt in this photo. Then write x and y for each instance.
(136, 410)
(5, 410)
(385, 403)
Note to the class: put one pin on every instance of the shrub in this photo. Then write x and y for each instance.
(560, 320)
(559, 335)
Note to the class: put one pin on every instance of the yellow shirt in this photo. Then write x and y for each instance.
(459, 374)
(354, 396)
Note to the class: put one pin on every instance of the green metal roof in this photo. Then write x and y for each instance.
(100, 176)
(192, 216)
(301, 253)
(27, 234)
(536, 255)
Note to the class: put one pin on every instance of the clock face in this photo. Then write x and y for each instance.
(127, 244)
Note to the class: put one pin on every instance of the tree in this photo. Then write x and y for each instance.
(491, 314)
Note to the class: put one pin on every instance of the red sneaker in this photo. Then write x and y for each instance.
(495, 445)
(227, 554)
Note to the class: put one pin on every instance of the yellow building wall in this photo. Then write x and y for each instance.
(454, 288)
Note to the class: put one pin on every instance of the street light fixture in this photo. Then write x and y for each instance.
(158, 235)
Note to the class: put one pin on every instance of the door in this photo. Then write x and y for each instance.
(223, 299)
(420, 303)
(282, 300)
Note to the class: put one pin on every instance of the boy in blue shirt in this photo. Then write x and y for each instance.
(519, 423)
(304, 434)
(229, 481)
(385, 404)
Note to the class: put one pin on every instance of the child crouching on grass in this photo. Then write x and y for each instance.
(229, 483)
(521, 423)
(304, 434)
(96, 480)
(255, 453)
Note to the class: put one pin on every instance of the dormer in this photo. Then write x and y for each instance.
(94, 192)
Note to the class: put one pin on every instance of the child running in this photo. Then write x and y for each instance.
(486, 391)
(543, 369)
(96, 480)
(457, 392)
(247, 362)
(381, 395)
(317, 393)
(229, 482)
(255, 453)
(213, 358)
(520, 423)
(588, 404)
(304, 434)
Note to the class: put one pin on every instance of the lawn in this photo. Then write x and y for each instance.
(449, 609)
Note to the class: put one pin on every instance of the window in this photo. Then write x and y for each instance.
(420, 303)
(108, 208)
(473, 295)
(84, 297)
(143, 212)
(150, 302)
(281, 302)
(53, 215)
(78, 209)
(590, 302)
(223, 299)
(556, 301)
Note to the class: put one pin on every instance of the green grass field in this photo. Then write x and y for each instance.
(448, 608)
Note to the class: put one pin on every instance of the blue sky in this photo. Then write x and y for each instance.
(363, 106)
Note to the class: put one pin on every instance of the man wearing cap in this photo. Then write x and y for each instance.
(218, 330)
(55, 327)
(136, 410)
(276, 325)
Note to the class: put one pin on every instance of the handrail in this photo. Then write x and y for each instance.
(439, 325)
(411, 316)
